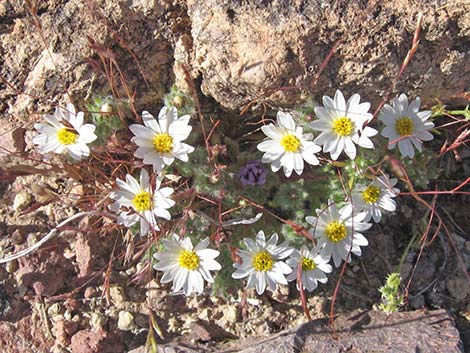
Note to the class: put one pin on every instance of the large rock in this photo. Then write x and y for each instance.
(55, 51)
(360, 332)
(26, 335)
(249, 49)
(96, 341)
(46, 271)
(241, 50)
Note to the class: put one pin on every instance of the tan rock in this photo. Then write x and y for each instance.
(22, 200)
(118, 297)
(58, 58)
(126, 321)
(246, 50)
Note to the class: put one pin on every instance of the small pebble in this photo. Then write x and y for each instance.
(21, 200)
(54, 309)
(118, 297)
(97, 320)
(458, 288)
(89, 292)
(11, 266)
(68, 315)
(126, 321)
(417, 302)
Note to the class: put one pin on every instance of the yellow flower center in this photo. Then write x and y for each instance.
(336, 231)
(66, 137)
(308, 264)
(404, 126)
(163, 143)
(188, 260)
(142, 201)
(290, 143)
(371, 194)
(263, 261)
(343, 126)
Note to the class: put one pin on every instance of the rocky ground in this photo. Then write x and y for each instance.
(55, 297)
(78, 294)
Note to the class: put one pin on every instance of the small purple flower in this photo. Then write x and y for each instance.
(253, 173)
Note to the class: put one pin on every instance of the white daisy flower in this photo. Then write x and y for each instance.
(138, 202)
(186, 266)
(313, 267)
(65, 132)
(375, 198)
(287, 146)
(159, 142)
(261, 262)
(338, 232)
(406, 125)
(341, 125)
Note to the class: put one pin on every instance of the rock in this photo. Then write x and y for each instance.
(11, 266)
(417, 302)
(62, 56)
(96, 341)
(11, 140)
(204, 331)
(358, 332)
(90, 292)
(46, 271)
(63, 330)
(406, 269)
(54, 309)
(174, 325)
(406, 211)
(83, 255)
(458, 288)
(424, 273)
(68, 315)
(97, 320)
(280, 294)
(141, 320)
(204, 314)
(141, 349)
(232, 49)
(56, 348)
(22, 200)
(18, 237)
(126, 321)
(118, 297)
(229, 316)
(25, 336)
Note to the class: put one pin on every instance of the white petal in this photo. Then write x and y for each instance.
(180, 129)
(282, 267)
(180, 279)
(242, 273)
(405, 147)
(211, 265)
(272, 131)
(340, 103)
(261, 239)
(277, 277)
(76, 120)
(285, 120)
(360, 240)
(350, 148)
(260, 284)
(206, 275)
(197, 281)
(142, 131)
(272, 241)
(298, 163)
(207, 254)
